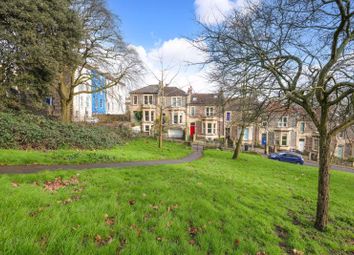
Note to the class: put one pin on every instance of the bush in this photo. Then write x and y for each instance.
(23, 130)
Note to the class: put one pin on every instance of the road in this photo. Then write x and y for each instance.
(334, 167)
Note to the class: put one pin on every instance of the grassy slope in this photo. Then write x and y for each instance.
(138, 149)
(221, 200)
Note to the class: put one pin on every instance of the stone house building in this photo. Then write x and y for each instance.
(144, 110)
(289, 128)
(206, 117)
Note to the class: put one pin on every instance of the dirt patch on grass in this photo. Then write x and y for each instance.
(294, 218)
(283, 235)
(59, 183)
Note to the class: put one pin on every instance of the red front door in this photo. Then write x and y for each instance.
(192, 129)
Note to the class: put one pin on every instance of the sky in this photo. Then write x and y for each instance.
(158, 30)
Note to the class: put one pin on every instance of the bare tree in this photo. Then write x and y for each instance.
(102, 49)
(249, 101)
(163, 81)
(306, 47)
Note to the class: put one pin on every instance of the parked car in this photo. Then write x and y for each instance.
(287, 157)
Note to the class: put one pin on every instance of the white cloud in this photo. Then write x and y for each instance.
(179, 57)
(212, 12)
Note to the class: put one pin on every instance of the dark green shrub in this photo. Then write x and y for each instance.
(23, 130)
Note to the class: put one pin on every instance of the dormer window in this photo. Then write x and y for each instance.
(283, 122)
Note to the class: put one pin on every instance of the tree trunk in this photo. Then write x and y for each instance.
(161, 128)
(323, 182)
(65, 110)
(238, 144)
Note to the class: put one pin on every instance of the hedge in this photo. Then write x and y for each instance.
(23, 131)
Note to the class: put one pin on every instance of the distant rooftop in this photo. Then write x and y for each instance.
(205, 99)
(154, 89)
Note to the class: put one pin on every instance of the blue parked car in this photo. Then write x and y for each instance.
(287, 157)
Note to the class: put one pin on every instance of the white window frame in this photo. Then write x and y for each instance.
(209, 130)
(148, 97)
(246, 138)
(209, 111)
(286, 141)
(135, 97)
(192, 111)
(180, 118)
(282, 123)
(146, 115)
(313, 143)
(175, 114)
(176, 101)
(304, 124)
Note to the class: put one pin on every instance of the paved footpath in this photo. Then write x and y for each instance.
(27, 169)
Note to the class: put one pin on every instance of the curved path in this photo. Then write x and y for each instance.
(27, 169)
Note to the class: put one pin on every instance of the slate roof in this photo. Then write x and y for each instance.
(154, 89)
(205, 99)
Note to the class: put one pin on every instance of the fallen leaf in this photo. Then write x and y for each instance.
(109, 220)
(261, 253)
(159, 238)
(296, 252)
(172, 208)
(15, 184)
(193, 231)
(237, 242)
(132, 202)
(67, 201)
(76, 227)
(156, 207)
(98, 238)
(192, 242)
(103, 241)
(36, 212)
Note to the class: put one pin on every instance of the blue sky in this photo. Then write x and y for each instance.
(158, 29)
(149, 23)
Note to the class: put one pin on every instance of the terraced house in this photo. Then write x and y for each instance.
(289, 128)
(144, 110)
(206, 117)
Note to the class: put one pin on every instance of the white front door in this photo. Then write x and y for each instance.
(302, 145)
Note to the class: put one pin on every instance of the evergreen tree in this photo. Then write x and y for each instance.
(37, 39)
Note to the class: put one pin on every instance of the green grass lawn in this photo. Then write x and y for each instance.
(210, 206)
(138, 149)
